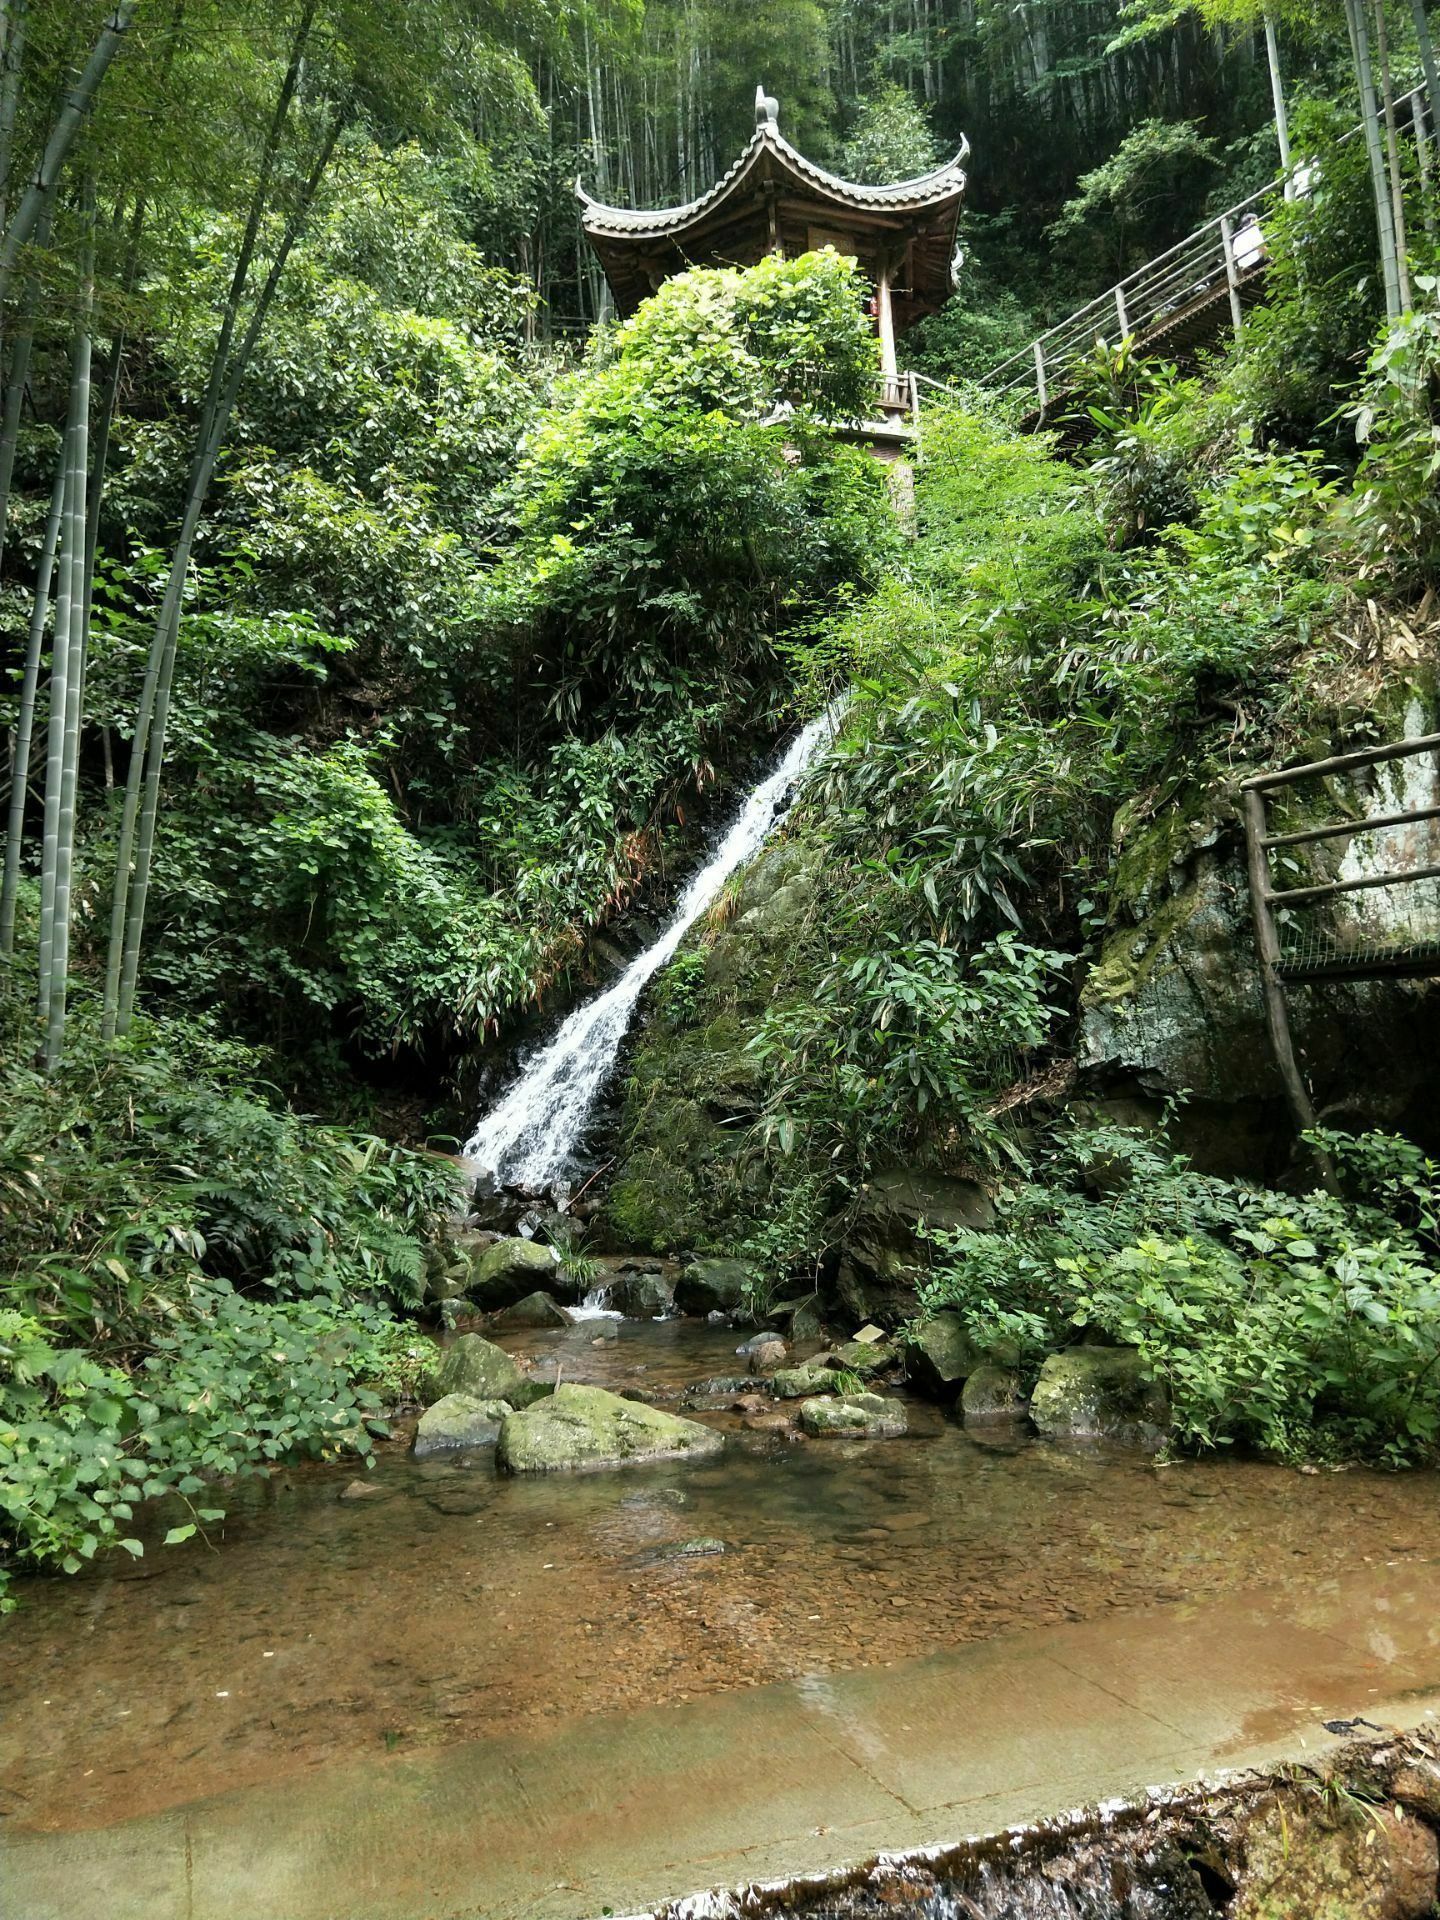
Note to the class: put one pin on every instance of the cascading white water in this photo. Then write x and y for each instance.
(528, 1137)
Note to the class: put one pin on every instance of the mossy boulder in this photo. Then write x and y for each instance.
(457, 1422)
(793, 1383)
(940, 1355)
(509, 1271)
(535, 1310)
(712, 1286)
(643, 1293)
(853, 1416)
(884, 1251)
(1100, 1393)
(864, 1357)
(479, 1368)
(578, 1428)
(992, 1393)
(1346, 1863)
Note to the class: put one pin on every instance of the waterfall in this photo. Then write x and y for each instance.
(528, 1137)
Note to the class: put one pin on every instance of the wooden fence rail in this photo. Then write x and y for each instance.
(1326, 957)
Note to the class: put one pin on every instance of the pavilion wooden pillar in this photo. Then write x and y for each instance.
(885, 327)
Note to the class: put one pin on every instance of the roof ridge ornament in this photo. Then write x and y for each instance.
(767, 110)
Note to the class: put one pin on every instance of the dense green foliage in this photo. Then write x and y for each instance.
(1304, 1326)
(1072, 650)
(194, 1284)
(466, 628)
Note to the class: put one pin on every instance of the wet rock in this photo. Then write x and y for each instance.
(803, 1322)
(992, 1393)
(883, 1249)
(1354, 1863)
(1100, 1393)
(510, 1270)
(712, 1286)
(361, 1490)
(644, 1294)
(584, 1427)
(777, 1420)
(857, 1356)
(459, 1420)
(794, 1383)
(940, 1355)
(768, 1357)
(1417, 1784)
(484, 1371)
(856, 1416)
(535, 1310)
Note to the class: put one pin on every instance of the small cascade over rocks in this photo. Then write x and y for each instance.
(528, 1139)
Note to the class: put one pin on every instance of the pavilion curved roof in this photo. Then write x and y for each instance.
(769, 155)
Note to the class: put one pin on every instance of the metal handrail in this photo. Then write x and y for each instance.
(1194, 264)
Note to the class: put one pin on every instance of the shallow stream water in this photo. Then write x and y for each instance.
(446, 1603)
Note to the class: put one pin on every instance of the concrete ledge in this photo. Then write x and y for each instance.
(625, 1811)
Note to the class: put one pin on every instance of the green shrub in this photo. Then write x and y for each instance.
(193, 1284)
(1301, 1327)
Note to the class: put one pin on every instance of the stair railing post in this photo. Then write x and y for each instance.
(1267, 942)
(1040, 376)
(1121, 315)
(1227, 241)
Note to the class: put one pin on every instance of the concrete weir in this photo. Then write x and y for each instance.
(623, 1811)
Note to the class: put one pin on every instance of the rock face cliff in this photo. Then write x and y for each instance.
(1168, 1011)
(1173, 1005)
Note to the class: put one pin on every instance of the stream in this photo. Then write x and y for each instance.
(446, 1603)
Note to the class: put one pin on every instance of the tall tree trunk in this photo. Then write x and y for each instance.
(74, 107)
(25, 719)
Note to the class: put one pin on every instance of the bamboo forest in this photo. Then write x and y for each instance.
(719, 1162)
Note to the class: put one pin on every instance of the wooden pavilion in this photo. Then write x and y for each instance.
(774, 200)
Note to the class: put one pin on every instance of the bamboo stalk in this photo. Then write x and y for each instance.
(1370, 128)
(1392, 155)
(74, 108)
(25, 718)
